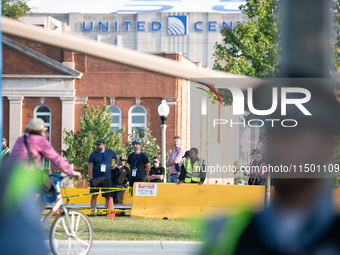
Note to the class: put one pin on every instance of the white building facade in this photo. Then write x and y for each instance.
(190, 33)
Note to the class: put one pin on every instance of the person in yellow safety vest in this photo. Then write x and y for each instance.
(192, 169)
(5, 150)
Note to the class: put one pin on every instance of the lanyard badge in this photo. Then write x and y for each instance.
(135, 169)
(102, 166)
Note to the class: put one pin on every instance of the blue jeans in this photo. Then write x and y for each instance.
(173, 178)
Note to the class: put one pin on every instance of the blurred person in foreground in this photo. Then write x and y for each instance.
(301, 218)
(20, 226)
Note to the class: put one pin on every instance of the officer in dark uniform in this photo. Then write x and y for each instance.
(120, 175)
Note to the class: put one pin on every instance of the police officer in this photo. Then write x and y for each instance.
(120, 175)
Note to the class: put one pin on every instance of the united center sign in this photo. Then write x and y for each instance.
(177, 25)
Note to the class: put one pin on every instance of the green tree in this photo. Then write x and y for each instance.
(148, 142)
(14, 9)
(336, 36)
(250, 49)
(336, 179)
(94, 124)
(335, 66)
(238, 180)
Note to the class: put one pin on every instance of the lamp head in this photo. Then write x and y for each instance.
(163, 111)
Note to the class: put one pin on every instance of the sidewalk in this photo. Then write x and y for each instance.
(145, 247)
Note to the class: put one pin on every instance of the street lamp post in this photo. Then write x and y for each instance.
(163, 111)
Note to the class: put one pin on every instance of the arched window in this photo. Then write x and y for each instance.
(137, 119)
(44, 112)
(116, 123)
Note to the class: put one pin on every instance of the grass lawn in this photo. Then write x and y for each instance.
(123, 228)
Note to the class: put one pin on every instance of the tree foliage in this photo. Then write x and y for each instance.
(335, 66)
(14, 9)
(94, 124)
(336, 158)
(250, 49)
(148, 142)
(240, 180)
(336, 36)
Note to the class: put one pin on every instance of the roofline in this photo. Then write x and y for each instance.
(41, 58)
(38, 76)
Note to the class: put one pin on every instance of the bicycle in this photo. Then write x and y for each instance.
(71, 231)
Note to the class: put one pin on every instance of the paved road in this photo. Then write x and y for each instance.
(145, 247)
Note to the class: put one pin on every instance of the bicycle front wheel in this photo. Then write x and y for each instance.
(63, 241)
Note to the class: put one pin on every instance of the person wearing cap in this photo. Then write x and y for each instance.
(139, 164)
(120, 175)
(256, 169)
(157, 172)
(20, 212)
(175, 159)
(193, 169)
(40, 147)
(99, 167)
(186, 155)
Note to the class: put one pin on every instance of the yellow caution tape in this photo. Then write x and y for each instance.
(102, 210)
(98, 211)
(93, 188)
(102, 214)
(94, 193)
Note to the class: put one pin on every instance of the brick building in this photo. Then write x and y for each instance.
(44, 81)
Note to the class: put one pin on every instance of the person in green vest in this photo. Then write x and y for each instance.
(193, 169)
(5, 150)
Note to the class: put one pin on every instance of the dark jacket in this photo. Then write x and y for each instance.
(120, 175)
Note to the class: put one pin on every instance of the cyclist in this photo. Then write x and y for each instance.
(19, 214)
(39, 147)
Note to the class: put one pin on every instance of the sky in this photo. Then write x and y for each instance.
(133, 6)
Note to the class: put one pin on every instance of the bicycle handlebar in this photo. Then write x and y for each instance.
(58, 176)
